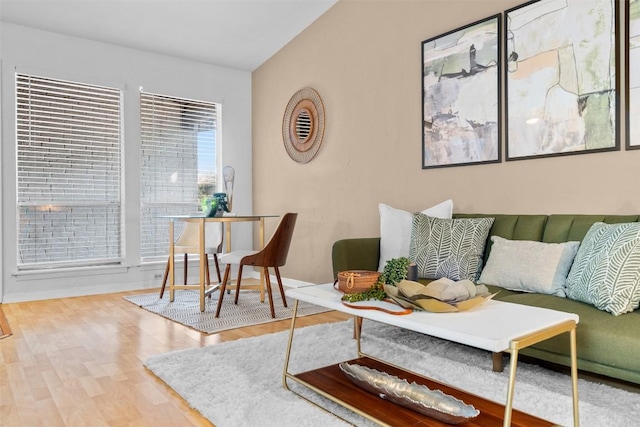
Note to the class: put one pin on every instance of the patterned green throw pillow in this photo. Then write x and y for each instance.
(606, 270)
(450, 248)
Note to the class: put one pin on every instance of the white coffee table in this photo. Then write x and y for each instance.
(495, 326)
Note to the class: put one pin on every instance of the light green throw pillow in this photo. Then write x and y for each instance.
(450, 248)
(529, 266)
(606, 270)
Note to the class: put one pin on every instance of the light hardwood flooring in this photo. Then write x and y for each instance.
(78, 362)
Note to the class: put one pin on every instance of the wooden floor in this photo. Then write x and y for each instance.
(78, 362)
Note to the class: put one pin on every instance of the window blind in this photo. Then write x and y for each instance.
(69, 169)
(178, 164)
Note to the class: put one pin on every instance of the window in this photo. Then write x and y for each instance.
(178, 166)
(69, 173)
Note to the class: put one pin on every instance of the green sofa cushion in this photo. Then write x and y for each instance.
(565, 228)
(355, 254)
(512, 227)
(601, 337)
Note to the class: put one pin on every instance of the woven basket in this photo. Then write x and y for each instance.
(354, 281)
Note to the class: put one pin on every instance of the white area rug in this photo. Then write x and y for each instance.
(185, 309)
(239, 383)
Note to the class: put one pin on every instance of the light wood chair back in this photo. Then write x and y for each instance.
(189, 243)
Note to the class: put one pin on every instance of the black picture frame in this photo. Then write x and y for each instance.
(461, 95)
(632, 59)
(561, 79)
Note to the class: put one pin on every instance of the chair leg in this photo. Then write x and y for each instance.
(284, 300)
(207, 278)
(186, 268)
(164, 279)
(238, 282)
(215, 258)
(269, 295)
(223, 288)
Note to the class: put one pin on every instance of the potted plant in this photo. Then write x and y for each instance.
(394, 271)
(215, 206)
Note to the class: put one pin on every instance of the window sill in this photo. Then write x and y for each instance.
(59, 273)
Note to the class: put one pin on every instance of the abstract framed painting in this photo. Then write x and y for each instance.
(461, 121)
(561, 78)
(633, 74)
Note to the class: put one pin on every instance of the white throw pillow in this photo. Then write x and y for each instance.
(529, 266)
(395, 229)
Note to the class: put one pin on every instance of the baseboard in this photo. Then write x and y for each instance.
(76, 292)
(119, 287)
(289, 283)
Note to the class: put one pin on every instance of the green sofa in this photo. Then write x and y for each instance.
(607, 345)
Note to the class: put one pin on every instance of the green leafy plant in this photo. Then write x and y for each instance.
(210, 205)
(375, 292)
(394, 271)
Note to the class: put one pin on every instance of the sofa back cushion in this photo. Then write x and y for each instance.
(512, 227)
(565, 228)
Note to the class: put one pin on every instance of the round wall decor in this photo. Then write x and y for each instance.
(303, 125)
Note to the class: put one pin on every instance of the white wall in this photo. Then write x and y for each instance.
(363, 58)
(42, 53)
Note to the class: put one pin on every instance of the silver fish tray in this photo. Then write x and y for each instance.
(417, 397)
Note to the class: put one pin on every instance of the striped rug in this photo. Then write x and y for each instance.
(185, 309)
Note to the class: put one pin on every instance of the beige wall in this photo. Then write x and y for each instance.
(363, 57)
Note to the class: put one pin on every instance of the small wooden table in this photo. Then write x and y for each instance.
(201, 220)
(496, 326)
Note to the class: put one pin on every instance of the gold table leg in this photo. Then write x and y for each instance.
(512, 382)
(172, 269)
(574, 376)
(526, 341)
(203, 259)
(262, 278)
(285, 372)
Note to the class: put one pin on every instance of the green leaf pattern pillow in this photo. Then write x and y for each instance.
(450, 248)
(606, 270)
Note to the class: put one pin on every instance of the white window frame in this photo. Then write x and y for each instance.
(69, 173)
(170, 183)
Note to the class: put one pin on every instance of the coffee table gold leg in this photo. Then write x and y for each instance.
(172, 265)
(203, 259)
(286, 359)
(512, 382)
(358, 332)
(262, 278)
(574, 376)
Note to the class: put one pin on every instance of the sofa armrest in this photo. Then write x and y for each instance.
(355, 254)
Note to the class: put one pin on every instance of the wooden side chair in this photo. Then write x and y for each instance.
(188, 243)
(273, 255)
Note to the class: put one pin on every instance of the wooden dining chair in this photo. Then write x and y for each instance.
(274, 254)
(188, 243)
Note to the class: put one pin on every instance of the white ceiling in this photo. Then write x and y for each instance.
(238, 34)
